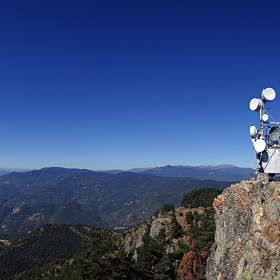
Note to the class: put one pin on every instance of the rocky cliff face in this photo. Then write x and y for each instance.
(134, 238)
(247, 239)
(190, 264)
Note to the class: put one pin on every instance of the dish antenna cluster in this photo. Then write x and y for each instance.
(265, 139)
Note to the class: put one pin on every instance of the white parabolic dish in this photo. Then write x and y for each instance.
(259, 145)
(268, 94)
(265, 117)
(253, 132)
(274, 133)
(255, 104)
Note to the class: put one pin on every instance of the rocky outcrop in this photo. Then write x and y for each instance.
(247, 238)
(193, 265)
(134, 238)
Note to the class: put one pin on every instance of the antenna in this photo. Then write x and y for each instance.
(259, 145)
(274, 133)
(265, 117)
(253, 132)
(255, 104)
(268, 94)
(265, 139)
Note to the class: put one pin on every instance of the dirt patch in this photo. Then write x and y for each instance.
(181, 216)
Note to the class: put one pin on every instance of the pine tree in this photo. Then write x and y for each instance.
(104, 258)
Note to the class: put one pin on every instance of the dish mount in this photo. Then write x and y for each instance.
(265, 139)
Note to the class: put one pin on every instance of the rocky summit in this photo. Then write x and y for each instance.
(247, 238)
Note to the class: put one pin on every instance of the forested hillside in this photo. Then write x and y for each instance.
(73, 196)
(44, 245)
(174, 243)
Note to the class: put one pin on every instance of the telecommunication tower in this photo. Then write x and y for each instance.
(265, 139)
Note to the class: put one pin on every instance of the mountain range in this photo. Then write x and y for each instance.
(4, 171)
(79, 196)
(223, 172)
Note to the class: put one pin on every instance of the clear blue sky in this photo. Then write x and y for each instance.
(120, 84)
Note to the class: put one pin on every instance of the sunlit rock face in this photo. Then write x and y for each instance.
(247, 238)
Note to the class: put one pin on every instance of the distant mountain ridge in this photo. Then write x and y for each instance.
(218, 173)
(4, 171)
(60, 195)
(223, 172)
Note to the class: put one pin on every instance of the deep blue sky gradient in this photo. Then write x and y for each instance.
(122, 84)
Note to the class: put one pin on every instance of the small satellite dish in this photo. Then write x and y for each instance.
(255, 104)
(259, 145)
(253, 132)
(265, 117)
(268, 94)
(274, 133)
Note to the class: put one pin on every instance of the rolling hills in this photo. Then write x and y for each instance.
(79, 196)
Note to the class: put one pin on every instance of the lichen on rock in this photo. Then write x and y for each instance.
(247, 237)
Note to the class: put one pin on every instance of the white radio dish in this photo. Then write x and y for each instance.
(259, 145)
(255, 104)
(265, 117)
(253, 132)
(268, 94)
(274, 133)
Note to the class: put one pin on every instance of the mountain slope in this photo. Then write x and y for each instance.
(44, 245)
(219, 173)
(156, 247)
(58, 195)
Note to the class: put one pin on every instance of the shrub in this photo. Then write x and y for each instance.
(167, 207)
(189, 217)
